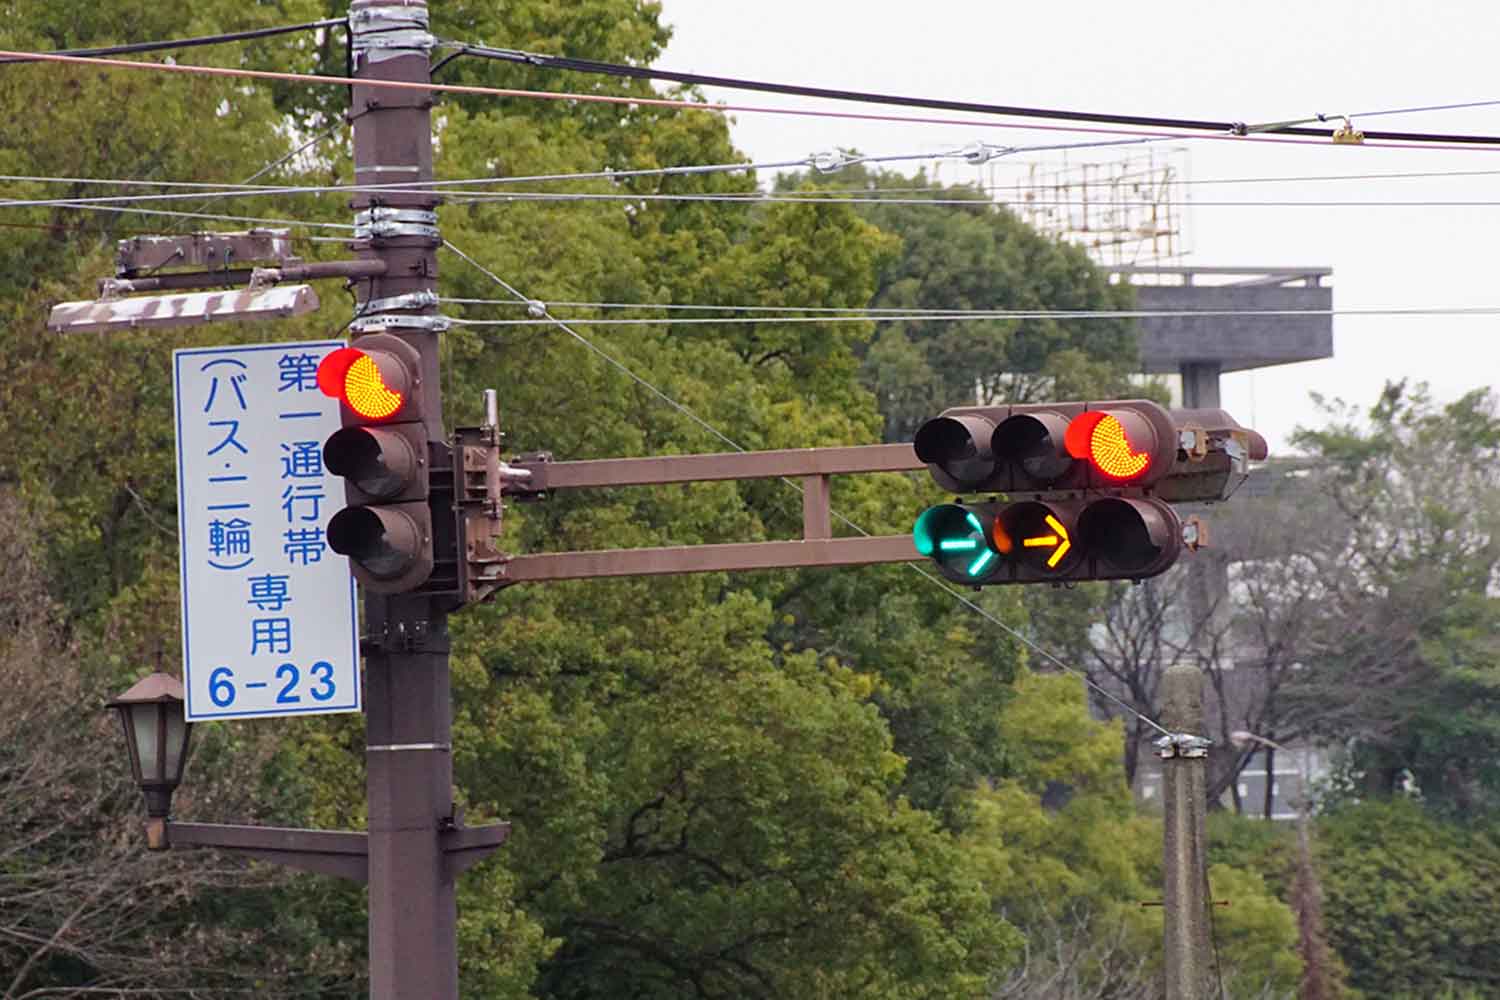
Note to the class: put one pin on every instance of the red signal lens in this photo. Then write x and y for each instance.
(1101, 438)
(353, 376)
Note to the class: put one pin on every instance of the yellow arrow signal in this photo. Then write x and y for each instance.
(1058, 543)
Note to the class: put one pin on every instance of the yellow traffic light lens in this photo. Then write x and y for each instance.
(366, 392)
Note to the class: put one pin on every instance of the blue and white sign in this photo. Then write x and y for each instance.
(269, 621)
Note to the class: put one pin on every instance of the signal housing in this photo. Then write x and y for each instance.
(1045, 447)
(383, 454)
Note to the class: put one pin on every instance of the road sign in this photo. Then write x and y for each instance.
(269, 622)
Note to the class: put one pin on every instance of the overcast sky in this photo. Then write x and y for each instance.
(1268, 61)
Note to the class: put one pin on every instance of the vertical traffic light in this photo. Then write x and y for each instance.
(382, 453)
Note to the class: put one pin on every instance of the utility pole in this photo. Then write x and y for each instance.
(1184, 782)
(408, 724)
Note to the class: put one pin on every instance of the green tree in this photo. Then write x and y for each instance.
(1409, 900)
(1069, 860)
(980, 256)
(1403, 659)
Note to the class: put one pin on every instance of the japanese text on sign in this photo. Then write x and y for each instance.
(268, 609)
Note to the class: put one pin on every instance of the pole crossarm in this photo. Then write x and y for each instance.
(342, 853)
(817, 547)
(326, 852)
(790, 462)
(731, 557)
(466, 846)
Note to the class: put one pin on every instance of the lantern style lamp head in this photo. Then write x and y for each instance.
(156, 732)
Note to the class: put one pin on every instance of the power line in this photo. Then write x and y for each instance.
(412, 187)
(999, 314)
(823, 162)
(1238, 129)
(720, 435)
(809, 197)
(179, 43)
(443, 189)
(1184, 181)
(256, 220)
(730, 167)
(1417, 142)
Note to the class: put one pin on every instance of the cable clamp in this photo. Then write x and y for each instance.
(396, 42)
(399, 321)
(833, 160)
(391, 230)
(387, 17)
(1185, 746)
(382, 214)
(982, 152)
(411, 300)
(536, 309)
(392, 222)
(1347, 134)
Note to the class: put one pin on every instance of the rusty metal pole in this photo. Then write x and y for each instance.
(413, 912)
(1184, 836)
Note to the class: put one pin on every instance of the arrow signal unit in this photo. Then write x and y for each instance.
(1050, 541)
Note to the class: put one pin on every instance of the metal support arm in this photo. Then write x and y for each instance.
(341, 853)
(325, 852)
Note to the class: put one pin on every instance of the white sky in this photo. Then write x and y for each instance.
(1267, 61)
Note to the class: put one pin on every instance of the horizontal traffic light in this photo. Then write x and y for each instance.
(1050, 541)
(1049, 446)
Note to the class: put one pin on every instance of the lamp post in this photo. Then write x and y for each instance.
(157, 734)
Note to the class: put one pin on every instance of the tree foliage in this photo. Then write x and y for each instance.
(811, 784)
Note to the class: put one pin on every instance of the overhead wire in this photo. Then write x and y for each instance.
(253, 219)
(1395, 140)
(446, 188)
(810, 197)
(1140, 179)
(969, 317)
(1234, 128)
(673, 171)
(721, 436)
(181, 43)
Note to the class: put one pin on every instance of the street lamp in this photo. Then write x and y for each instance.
(156, 732)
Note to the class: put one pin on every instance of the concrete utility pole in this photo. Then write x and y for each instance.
(1184, 781)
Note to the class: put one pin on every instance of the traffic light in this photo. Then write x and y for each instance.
(1041, 447)
(382, 453)
(1079, 479)
(1050, 541)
